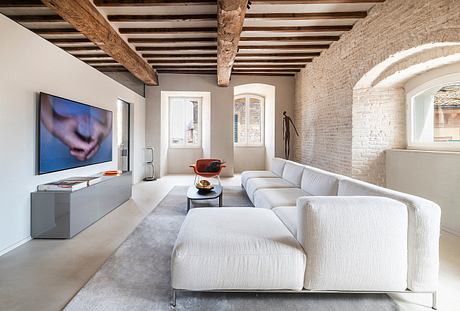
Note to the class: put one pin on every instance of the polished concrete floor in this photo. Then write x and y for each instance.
(46, 274)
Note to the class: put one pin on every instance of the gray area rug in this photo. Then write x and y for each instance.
(137, 275)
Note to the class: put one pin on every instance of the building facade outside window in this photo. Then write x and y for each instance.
(185, 122)
(435, 118)
(248, 120)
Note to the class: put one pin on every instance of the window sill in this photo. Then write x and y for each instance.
(435, 147)
(185, 147)
(425, 151)
(249, 146)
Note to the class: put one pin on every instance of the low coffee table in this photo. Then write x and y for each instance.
(194, 195)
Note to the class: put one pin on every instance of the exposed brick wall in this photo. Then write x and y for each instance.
(348, 138)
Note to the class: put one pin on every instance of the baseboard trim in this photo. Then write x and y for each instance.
(10, 248)
(451, 231)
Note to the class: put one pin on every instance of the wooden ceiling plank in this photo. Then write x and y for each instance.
(331, 28)
(37, 18)
(171, 40)
(285, 47)
(149, 30)
(314, 1)
(308, 16)
(149, 55)
(177, 48)
(230, 19)
(162, 18)
(68, 40)
(152, 2)
(20, 3)
(85, 17)
(292, 60)
(279, 55)
(297, 38)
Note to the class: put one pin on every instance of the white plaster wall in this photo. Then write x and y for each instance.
(431, 175)
(250, 158)
(30, 64)
(221, 112)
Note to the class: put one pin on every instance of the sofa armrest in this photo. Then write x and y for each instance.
(353, 243)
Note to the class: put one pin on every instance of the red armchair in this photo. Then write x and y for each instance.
(199, 168)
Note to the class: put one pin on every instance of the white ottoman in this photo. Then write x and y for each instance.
(236, 248)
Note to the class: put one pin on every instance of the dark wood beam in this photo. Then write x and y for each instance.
(245, 66)
(152, 2)
(307, 16)
(37, 18)
(299, 28)
(85, 17)
(291, 60)
(182, 61)
(54, 31)
(262, 74)
(230, 19)
(163, 18)
(80, 48)
(109, 61)
(194, 72)
(278, 55)
(20, 3)
(313, 1)
(284, 47)
(110, 68)
(171, 40)
(266, 70)
(167, 30)
(68, 40)
(177, 48)
(101, 55)
(147, 55)
(297, 38)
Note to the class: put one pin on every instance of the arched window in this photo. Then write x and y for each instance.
(435, 117)
(248, 120)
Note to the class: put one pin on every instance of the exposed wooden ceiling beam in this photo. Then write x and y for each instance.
(80, 48)
(177, 48)
(297, 38)
(182, 61)
(307, 16)
(285, 47)
(171, 40)
(152, 2)
(230, 19)
(84, 16)
(194, 72)
(332, 28)
(262, 74)
(101, 55)
(245, 66)
(266, 70)
(168, 30)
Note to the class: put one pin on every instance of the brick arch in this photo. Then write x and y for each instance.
(333, 125)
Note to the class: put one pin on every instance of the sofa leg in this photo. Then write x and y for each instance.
(435, 301)
(172, 302)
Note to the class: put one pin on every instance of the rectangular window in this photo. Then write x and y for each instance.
(185, 121)
(248, 120)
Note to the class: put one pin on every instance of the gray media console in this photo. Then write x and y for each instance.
(61, 215)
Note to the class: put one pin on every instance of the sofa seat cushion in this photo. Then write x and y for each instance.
(236, 248)
(271, 198)
(288, 215)
(245, 176)
(255, 184)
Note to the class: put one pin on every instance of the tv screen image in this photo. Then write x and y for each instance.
(72, 134)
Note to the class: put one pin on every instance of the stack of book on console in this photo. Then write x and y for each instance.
(70, 184)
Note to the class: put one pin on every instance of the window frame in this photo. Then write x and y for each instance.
(246, 96)
(432, 86)
(200, 124)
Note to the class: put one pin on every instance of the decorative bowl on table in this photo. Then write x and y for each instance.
(204, 186)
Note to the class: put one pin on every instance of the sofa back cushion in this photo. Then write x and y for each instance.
(278, 166)
(423, 231)
(318, 182)
(293, 173)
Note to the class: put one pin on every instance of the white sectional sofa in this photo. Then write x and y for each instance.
(311, 231)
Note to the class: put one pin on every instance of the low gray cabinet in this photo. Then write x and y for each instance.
(61, 215)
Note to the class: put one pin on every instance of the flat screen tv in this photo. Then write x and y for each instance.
(72, 134)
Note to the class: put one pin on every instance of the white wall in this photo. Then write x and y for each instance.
(431, 175)
(30, 64)
(221, 114)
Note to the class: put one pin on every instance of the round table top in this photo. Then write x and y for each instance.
(193, 193)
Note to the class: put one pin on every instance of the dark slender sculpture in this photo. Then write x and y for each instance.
(287, 121)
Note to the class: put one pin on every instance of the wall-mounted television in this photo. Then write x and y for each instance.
(72, 134)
